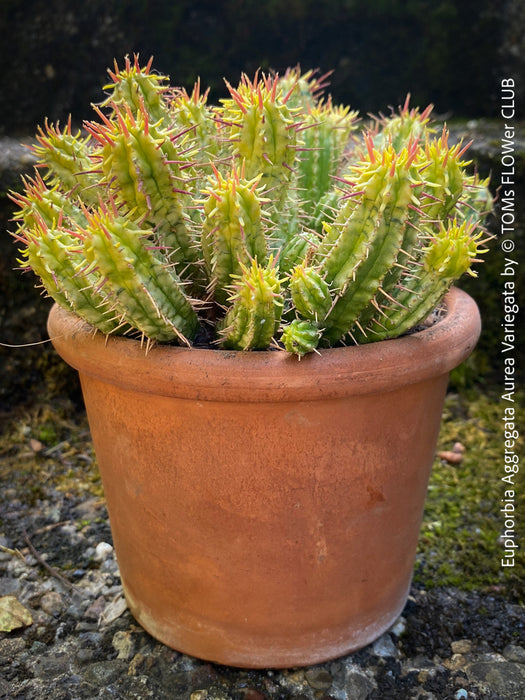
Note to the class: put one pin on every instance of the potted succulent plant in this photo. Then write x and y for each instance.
(265, 505)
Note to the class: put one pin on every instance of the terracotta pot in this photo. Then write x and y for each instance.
(266, 511)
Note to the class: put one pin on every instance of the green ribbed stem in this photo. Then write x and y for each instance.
(449, 255)
(68, 159)
(142, 180)
(301, 337)
(57, 258)
(254, 317)
(232, 232)
(310, 293)
(145, 292)
(139, 89)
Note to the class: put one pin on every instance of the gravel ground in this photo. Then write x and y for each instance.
(73, 637)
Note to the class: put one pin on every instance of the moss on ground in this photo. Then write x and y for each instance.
(46, 444)
(460, 542)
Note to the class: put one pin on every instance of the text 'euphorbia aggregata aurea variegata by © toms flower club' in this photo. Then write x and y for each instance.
(273, 219)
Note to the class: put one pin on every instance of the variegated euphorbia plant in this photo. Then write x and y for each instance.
(269, 220)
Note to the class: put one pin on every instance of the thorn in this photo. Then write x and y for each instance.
(465, 148)
(379, 309)
(236, 97)
(425, 114)
(361, 329)
(274, 88)
(416, 209)
(349, 195)
(289, 93)
(102, 116)
(391, 298)
(370, 147)
(260, 97)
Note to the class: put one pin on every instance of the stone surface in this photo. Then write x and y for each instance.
(319, 679)
(513, 652)
(462, 646)
(506, 678)
(384, 646)
(358, 685)
(13, 614)
(52, 603)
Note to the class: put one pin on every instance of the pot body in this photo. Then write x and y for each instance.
(265, 511)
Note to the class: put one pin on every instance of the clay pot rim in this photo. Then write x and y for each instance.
(219, 375)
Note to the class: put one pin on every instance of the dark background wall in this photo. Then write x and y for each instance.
(54, 53)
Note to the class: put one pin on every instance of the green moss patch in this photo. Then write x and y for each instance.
(461, 540)
(46, 448)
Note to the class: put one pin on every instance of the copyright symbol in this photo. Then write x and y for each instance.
(507, 245)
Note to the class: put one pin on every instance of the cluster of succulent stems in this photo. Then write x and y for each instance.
(271, 220)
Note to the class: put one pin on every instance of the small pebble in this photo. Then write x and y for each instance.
(38, 648)
(513, 652)
(399, 627)
(295, 678)
(462, 646)
(78, 573)
(85, 656)
(384, 646)
(318, 679)
(123, 644)
(455, 663)
(36, 445)
(113, 610)
(451, 457)
(13, 615)
(102, 551)
(141, 664)
(52, 603)
(358, 686)
(96, 609)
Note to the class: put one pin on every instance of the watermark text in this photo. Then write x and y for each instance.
(509, 325)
